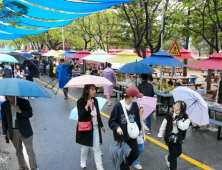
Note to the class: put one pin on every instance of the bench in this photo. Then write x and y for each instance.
(219, 124)
(180, 72)
(157, 108)
(118, 92)
(196, 85)
(211, 91)
(214, 78)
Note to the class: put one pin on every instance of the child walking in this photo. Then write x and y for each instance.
(174, 126)
(141, 139)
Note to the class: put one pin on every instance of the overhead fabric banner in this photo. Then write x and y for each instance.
(39, 16)
(71, 6)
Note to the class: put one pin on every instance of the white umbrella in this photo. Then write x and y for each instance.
(49, 53)
(98, 56)
(197, 108)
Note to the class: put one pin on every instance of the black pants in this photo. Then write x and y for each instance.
(133, 154)
(44, 68)
(65, 90)
(175, 150)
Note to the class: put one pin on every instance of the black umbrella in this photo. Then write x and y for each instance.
(34, 67)
(17, 56)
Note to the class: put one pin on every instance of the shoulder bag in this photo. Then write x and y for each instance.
(132, 128)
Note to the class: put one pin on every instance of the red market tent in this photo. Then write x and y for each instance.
(185, 54)
(80, 54)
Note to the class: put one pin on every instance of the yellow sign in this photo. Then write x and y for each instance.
(175, 49)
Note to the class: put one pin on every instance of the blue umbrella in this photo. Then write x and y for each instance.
(27, 55)
(7, 49)
(68, 53)
(136, 68)
(22, 88)
(162, 58)
(7, 58)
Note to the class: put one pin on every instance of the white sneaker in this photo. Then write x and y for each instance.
(138, 166)
(83, 164)
(33, 98)
(168, 163)
(26, 98)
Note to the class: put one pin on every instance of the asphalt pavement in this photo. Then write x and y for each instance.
(56, 149)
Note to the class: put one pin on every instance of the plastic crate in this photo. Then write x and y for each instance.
(191, 80)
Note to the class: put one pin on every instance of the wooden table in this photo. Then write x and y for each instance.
(192, 84)
(164, 95)
(184, 79)
(214, 78)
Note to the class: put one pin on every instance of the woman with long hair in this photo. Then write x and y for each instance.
(174, 126)
(88, 132)
(118, 123)
(19, 72)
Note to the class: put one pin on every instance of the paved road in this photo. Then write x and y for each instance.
(55, 147)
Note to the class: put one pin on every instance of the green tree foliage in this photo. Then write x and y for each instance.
(8, 15)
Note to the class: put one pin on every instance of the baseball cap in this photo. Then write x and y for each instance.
(133, 91)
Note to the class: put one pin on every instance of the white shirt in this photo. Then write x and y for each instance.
(128, 107)
(13, 114)
(94, 114)
(181, 124)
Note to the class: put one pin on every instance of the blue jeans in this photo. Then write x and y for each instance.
(141, 149)
(148, 122)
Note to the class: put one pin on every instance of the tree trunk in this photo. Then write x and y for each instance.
(185, 60)
(209, 70)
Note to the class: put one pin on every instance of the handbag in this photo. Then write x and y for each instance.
(173, 138)
(132, 128)
(85, 126)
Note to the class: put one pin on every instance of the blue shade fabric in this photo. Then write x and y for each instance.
(106, 1)
(7, 58)
(42, 13)
(162, 60)
(71, 6)
(27, 55)
(7, 49)
(20, 30)
(29, 22)
(4, 36)
(136, 68)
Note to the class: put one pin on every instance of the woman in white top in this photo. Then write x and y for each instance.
(19, 72)
(88, 132)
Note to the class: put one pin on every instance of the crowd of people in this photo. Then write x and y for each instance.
(16, 125)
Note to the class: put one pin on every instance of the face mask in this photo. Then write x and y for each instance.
(135, 100)
(6, 66)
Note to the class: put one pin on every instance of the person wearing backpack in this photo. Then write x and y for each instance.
(124, 115)
(174, 126)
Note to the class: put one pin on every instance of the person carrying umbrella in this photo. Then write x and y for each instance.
(16, 126)
(19, 72)
(88, 132)
(63, 73)
(118, 123)
(174, 126)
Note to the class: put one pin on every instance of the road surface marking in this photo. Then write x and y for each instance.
(187, 158)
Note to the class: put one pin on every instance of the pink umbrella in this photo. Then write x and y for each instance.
(148, 104)
(81, 81)
(80, 54)
(185, 54)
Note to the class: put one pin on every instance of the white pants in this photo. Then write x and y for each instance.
(96, 148)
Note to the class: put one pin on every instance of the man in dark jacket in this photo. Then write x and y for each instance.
(44, 63)
(36, 62)
(147, 90)
(16, 126)
(6, 73)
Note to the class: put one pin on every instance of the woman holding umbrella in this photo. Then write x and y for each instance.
(88, 132)
(118, 123)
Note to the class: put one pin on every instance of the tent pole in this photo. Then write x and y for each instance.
(218, 87)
